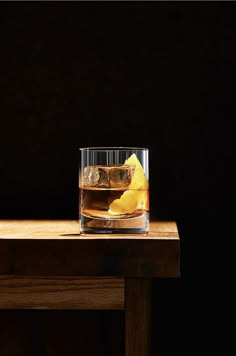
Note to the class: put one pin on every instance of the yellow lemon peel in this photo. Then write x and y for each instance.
(139, 181)
(136, 197)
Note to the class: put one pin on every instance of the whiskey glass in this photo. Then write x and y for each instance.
(114, 190)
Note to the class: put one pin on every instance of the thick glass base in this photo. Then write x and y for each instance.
(134, 225)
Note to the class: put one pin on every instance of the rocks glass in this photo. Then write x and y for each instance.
(113, 190)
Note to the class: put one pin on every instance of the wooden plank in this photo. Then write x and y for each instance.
(159, 258)
(137, 317)
(52, 248)
(64, 229)
(61, 293)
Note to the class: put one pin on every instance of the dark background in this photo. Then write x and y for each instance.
(155, 74)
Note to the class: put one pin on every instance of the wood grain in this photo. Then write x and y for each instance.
(61, 293)
(54, 248)
(48, 264)
(64, 229)
(137, 317)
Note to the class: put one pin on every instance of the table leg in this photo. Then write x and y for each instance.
(137, 317)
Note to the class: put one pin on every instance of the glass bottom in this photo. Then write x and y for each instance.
(132, 225)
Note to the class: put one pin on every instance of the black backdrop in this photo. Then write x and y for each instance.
(156, 74)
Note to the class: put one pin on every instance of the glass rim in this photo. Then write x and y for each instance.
(122, 148)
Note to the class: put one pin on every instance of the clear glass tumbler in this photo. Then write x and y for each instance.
(113, 190)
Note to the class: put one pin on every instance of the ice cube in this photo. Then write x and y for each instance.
(121, 176)
(108, 176)
(95, 176)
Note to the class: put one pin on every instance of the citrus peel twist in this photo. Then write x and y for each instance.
(135, 198)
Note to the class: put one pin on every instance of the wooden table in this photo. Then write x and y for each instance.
(48, 265)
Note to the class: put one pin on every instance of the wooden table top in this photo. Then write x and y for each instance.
(55, 247)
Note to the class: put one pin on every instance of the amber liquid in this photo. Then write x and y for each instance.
(95, 218)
